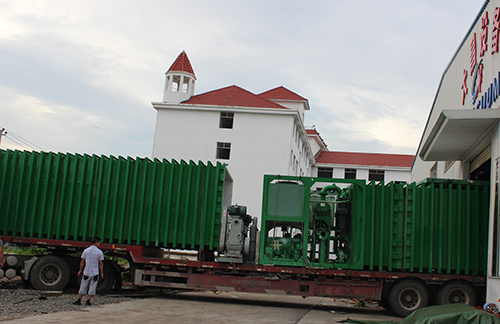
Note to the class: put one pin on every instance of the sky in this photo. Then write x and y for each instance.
(80, 76)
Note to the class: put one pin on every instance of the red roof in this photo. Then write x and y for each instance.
(182, 64)
(374, 159)
(281, 93)
(232, 96)
(311, 131)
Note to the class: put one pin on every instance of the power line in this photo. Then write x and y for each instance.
(24, 140)
(18, 143)
(21, 141)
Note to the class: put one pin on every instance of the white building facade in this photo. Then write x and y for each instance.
(461, 139)
(253, 134)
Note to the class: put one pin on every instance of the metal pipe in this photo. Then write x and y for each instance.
(333, 188)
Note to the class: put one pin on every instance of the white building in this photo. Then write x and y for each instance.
(353, 165)
(461, 139)
(255, 134)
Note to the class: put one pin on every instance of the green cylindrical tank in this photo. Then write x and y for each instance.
(122, 200)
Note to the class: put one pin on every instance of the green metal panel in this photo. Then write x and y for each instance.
(122, 200)
(285, 199)
(377, 212)
(449, 227)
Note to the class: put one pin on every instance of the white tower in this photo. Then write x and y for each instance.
(179, 80)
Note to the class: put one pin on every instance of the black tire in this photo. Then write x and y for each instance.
(49, 273)
(408, 296)
(457, 292)
(105, 285)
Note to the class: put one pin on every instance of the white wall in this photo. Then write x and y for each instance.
(362, 174)
(338, 173)
(261, 143)
(177, 130)
(300, 151)
(315, 147)
(295, 105)
(393, 175)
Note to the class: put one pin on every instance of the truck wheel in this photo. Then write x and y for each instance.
(49, 273)
(105, 285)
(407, 296)
(457, 292)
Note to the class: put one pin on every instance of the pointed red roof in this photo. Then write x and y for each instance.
(182, 64)
(281, 93)
(374, 159)
(232, 96)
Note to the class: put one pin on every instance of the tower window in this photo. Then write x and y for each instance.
(223, 150)
(226, 120)
(325, 172)
(350, 174)
(376, 175)
(176, 81)
(185, 85)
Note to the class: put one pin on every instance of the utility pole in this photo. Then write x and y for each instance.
(2, 133)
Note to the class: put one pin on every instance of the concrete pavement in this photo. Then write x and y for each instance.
(207, 307)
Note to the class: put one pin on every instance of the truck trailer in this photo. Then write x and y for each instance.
(404, 245)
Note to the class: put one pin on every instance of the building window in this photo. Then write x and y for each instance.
(223, 150)
(185, 85)
(350, 174)
(434, 171)
(176, 81)
(376, 175)
(325, 172)
(226, 120)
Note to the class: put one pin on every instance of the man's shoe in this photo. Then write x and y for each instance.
(88, 302)
(77, 302)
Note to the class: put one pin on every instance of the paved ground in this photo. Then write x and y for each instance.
(206, 307)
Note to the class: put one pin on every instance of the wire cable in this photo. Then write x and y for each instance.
(24, 140)
(30, 145)
(18, 143)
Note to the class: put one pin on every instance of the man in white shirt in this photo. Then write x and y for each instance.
(92, 265)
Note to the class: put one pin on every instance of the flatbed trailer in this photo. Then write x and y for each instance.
(158, 272)
(405, 245)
